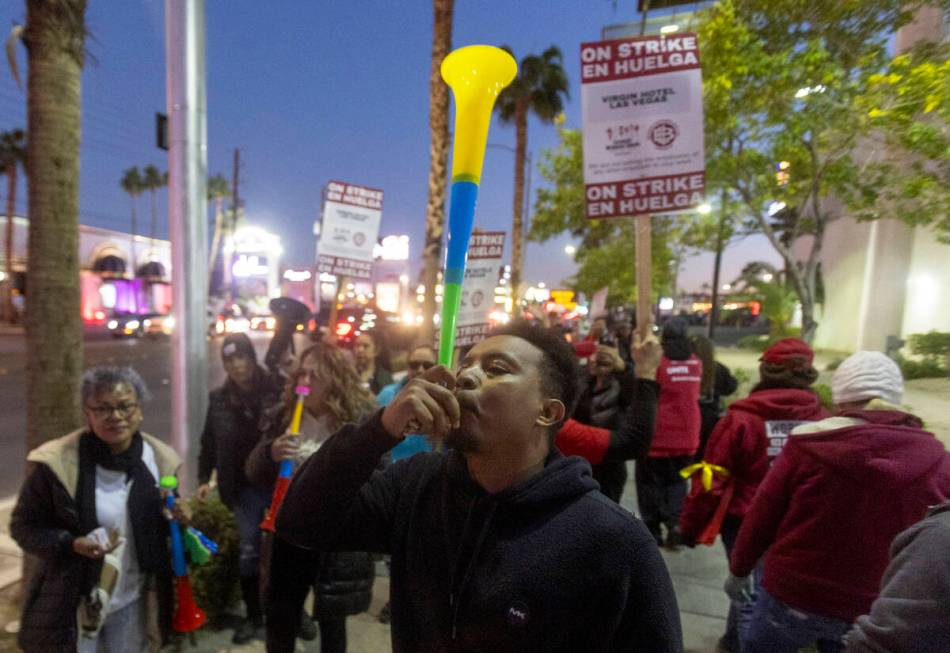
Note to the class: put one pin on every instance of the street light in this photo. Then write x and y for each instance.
(704, 209)
(570, 250)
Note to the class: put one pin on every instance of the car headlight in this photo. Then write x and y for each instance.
(132, 324)
(113, 324)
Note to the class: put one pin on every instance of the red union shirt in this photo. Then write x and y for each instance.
(677, 417)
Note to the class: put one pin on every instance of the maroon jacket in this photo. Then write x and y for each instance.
(677, 416)
(745, 441)
(826, 513)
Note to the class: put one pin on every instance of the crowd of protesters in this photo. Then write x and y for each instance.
(492, 490)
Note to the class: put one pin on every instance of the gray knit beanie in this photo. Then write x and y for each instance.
(867, 375)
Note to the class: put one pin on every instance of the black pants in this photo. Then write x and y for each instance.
(661, 491)
(729, 532)
(333, 635)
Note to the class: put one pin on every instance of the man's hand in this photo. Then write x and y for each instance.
(426, 404)
(203, 491)
(739, 588)
(284, 448)
(646, 354)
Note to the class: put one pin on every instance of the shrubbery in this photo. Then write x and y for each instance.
(216, 584)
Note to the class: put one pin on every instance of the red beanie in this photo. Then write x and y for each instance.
(790, 352)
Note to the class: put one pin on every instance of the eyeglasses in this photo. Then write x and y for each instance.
(123, 410)
(421, 365)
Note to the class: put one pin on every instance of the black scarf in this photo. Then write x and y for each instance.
(145, 500)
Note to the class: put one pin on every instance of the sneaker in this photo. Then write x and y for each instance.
(308, 629)
(385, 615)
(248, 630)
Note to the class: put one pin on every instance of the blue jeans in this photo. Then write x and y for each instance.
(248, 513)
(124, 631)
(779, 628)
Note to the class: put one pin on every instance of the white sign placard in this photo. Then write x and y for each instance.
(485, 250)
(351, 217)
(643, 125)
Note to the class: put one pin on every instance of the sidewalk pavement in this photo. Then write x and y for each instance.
(697, 573)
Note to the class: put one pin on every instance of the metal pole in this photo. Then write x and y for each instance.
(717, 266)
(188, 211)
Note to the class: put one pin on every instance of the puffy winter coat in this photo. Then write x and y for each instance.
(744, 442)
(827, 511)
(45, 522)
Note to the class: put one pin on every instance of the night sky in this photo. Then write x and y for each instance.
(313, 91)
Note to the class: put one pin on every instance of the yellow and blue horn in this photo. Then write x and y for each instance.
(476, 74)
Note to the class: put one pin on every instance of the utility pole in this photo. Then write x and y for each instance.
(228, 277)
(188, 215)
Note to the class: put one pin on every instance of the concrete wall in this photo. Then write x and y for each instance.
(927, 305)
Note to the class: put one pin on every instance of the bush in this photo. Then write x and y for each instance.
(823, 391)
(933, 346)
(755, 343)
(925, 369)
(216, 584)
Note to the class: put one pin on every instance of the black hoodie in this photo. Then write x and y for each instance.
(547, 565)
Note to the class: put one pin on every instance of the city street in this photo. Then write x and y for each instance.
(150, 357)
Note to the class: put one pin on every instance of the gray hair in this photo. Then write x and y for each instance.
(96, 380)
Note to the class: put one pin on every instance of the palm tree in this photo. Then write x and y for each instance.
(12, 155)
(218, 189)
(133, 184)
(55, 37)
(540, 88)
(153, 180)
(438, 160)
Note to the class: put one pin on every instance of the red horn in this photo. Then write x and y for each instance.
(188, 616)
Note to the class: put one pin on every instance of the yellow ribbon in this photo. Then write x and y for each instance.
(708, 470)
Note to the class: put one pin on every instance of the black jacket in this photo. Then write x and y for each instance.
(342, 581)
(45, 521)
(231, 431)
(547, 565)
(605, 408)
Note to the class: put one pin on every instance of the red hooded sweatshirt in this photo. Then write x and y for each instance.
(826, 513)
(678, 420)
(744, 442)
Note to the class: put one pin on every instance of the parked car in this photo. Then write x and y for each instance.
(128, 325)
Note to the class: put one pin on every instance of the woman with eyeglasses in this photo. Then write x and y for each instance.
(92, 512)
(342, 582)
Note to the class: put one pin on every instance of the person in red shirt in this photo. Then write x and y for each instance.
(828, 509)
(660, 488)
(744, 443)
